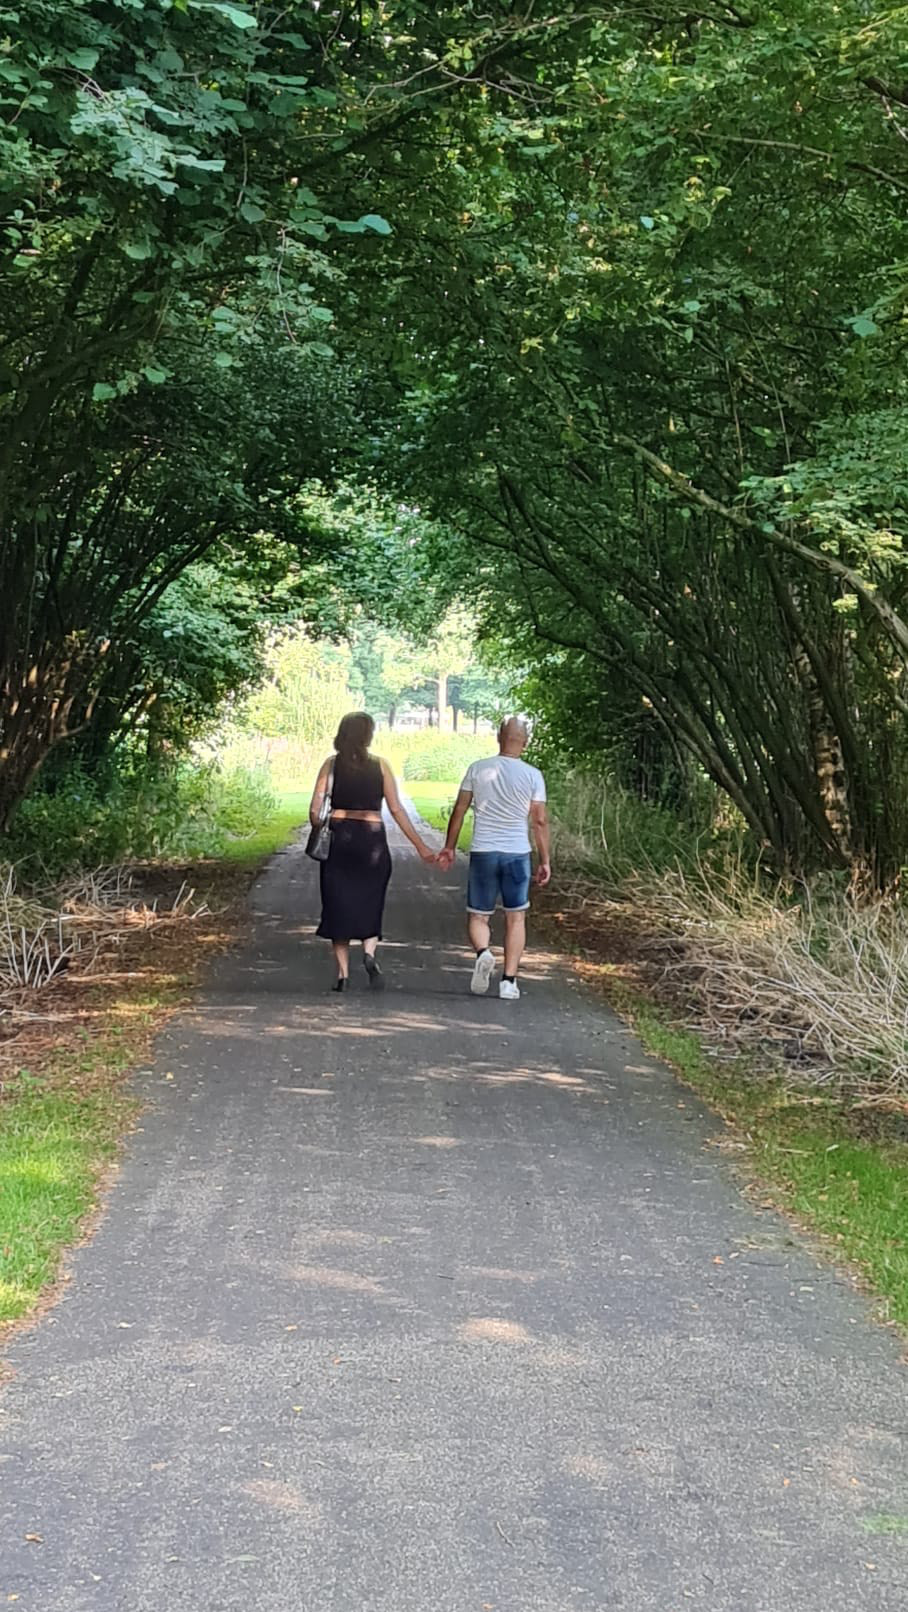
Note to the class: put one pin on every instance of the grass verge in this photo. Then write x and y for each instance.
(55, 1142)
(64, 1100)
(434, 801)
(290, 811)
(841, 1173)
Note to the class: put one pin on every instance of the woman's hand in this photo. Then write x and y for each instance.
(425, 853)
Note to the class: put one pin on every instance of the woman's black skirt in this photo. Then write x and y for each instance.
(354, 880)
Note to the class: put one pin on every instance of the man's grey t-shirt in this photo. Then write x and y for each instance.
(503, 790)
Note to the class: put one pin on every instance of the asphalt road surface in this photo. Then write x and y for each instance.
(427, 1303)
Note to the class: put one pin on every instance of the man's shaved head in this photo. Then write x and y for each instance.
(514, 735)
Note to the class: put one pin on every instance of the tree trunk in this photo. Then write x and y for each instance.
(476, 719)
(392, 713)
(442, 699)
(455, 713)
(35, 712)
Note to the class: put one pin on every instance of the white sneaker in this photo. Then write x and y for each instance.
(508, 991)
(483, 969)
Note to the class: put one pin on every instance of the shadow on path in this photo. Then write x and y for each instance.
(427, 1303)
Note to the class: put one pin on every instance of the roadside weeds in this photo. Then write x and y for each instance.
(839, 1170)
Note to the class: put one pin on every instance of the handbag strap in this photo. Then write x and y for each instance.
(325, 812)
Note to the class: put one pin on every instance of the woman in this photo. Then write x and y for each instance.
(355, 876)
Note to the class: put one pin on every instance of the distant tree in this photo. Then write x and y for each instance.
(477, 693)
(305, 694)
(447, 654)
(384, 666)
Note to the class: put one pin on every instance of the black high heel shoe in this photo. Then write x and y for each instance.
(376, 977)
(341, 984)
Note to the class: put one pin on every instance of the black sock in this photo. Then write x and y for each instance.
(511, 978)
(481, 951)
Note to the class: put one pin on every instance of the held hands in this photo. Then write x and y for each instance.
(446, 858)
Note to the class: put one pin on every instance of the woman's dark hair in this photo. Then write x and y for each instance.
(353, 737)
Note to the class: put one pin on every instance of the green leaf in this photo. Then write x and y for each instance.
(240, 19)
(155, 377)
(374, 221)
(223, 360)
(647, 222)
(212, 165)
(84, 58)
(863, 325)
(101, 392)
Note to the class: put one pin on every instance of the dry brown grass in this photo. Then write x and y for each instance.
(814, 984)
(106, 957)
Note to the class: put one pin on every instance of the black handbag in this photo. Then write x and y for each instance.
(318, 845)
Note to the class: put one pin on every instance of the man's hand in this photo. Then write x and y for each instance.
(445, 859)
(543, 873)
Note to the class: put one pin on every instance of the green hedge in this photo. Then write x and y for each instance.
(190, 811)
(429, 754)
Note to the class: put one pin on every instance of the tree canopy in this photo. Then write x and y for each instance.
(589, 320)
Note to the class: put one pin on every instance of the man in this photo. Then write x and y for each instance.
(507, 796)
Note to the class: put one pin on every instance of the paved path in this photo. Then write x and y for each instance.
(432, 1304)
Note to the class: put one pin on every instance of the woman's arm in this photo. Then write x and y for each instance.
(320, 791)
(400, 817)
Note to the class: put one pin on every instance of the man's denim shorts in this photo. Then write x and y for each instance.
(498, 875)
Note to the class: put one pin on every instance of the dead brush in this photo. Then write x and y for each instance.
(820, 981)
(33, 943)
(82, 918)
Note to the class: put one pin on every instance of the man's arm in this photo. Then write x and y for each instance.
(455, 823)
(539, 822)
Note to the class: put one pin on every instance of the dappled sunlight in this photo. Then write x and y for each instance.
(489, 1074)
(437, 1141)
(286, 1497)
(492, 1273)
(34, 1172)
(593, 1468)
(339, 1234)
(329, 1025)
(560, 1357)
(306, 1091)
(329, 1276)
(493, 1329)
(15, 1298)
(472, 1054)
